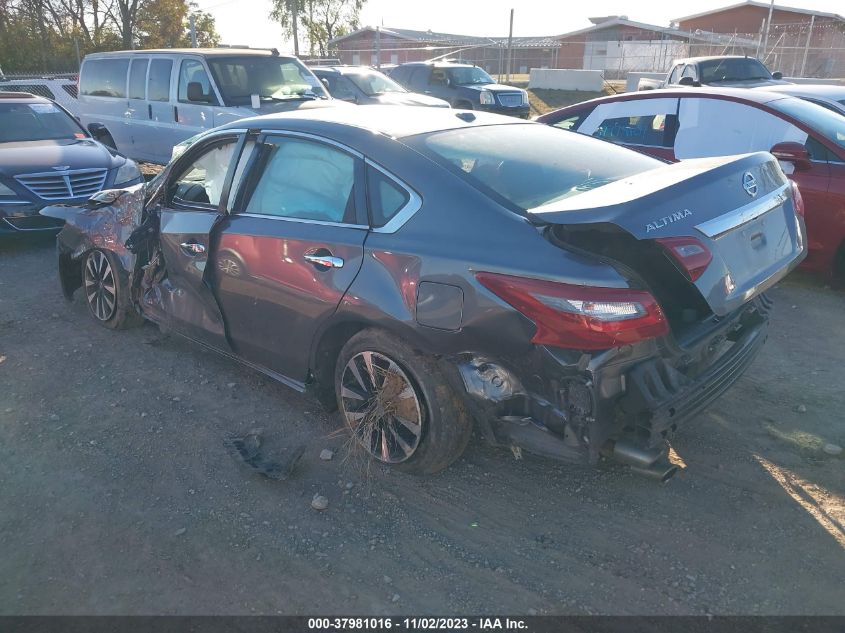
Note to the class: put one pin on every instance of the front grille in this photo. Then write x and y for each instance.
(61, 185)
(510, 99)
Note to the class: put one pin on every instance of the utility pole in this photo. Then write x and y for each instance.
(193, 22)
(807, 44)
(378, 47)
(79, 59)
(768, 26)
(510, 50)
(294, 9)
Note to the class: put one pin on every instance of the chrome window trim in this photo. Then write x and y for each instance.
(406, 212)
(269, 134)
(265, 216)
(719, 226)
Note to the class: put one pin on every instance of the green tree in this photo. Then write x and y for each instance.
(317, 21)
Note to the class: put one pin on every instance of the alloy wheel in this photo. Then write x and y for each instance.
(229, 266)
(100, 286)
(382, 407)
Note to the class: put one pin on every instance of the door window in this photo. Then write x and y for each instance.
(674, 75)
(341, 88)
(689, 71)
(158, 84)
(104, 78)
(200, 184)
(648, 130)
(138, 79)
(305, 180)
(194, 84)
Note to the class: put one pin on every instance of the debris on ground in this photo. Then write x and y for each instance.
(801, 408)
(832, 449)
(180, 531)
(319, 502)
(248, 449)
(326, 454)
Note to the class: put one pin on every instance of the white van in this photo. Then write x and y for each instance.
(145, 102)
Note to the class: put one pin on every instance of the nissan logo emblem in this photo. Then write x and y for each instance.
(749, 183)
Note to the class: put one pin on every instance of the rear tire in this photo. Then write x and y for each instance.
(106, 291)
(398, 405)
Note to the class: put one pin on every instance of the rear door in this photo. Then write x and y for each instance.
(190, 212)
(160, 132)
(646, 125)
(290, 249)
(137, 112)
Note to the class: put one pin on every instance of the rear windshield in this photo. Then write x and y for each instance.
(36, 122)
(527, 165)
(271, 78)
(827, 123)
(745, 69)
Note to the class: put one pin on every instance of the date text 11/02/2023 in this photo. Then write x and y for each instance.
(413, 624)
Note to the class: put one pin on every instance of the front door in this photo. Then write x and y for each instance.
(290, 250)
(190, 213)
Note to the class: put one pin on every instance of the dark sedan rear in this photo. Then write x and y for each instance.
(47, 157)
(429, 272)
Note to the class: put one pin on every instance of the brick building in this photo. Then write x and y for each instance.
(791, 32)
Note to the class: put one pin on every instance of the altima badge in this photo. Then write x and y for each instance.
(749, 183)
(667, 219)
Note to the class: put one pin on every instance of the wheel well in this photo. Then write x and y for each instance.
(325, 357)
(70, 274)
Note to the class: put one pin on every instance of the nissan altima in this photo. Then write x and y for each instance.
(425, 270)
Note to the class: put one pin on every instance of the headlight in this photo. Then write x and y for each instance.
(6, 192)
(524, 98)
(128, 172)
(487, 98)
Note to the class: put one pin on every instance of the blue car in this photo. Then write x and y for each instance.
(47, 158)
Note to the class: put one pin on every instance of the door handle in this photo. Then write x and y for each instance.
(176, 114)
(150, 111)
(192, 248)
(324, 261)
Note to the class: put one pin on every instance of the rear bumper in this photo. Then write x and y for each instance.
(576, 406)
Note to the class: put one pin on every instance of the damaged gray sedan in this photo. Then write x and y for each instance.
(424, 270)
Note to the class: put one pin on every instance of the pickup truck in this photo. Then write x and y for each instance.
(724, 71)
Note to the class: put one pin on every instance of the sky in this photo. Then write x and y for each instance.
(247, 21)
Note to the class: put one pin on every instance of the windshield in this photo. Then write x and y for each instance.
(36, 122)
(468, 75)
(825, 122)
(528, 165)
(374, 83)
(745, 69)
(271, 78)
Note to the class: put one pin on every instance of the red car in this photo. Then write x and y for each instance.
(808, 140)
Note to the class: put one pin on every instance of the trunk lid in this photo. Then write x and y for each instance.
(740, 207)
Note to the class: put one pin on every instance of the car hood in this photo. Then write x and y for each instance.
(493, 87)
(409, 98)
(41, 156)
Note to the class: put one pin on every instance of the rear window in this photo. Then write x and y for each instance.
(732, 69)
(104, 78)
(528, 165)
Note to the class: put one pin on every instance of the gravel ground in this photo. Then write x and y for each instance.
(119, 495)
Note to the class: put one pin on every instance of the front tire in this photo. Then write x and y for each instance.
(398, 406)
(106, 291)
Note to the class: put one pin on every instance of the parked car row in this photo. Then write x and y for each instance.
(427, 270)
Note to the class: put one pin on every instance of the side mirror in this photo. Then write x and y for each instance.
(325, 81)
(777, 75)
(792, 152)
(98, 132)
(686, 81)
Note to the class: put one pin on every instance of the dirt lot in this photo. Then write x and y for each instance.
(118, 494)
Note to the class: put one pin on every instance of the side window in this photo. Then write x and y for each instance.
(201, 182)
(572, 121)
(419, 76)
(305, 180)
(638, 130)
(158, 86)
(689, 71)
(720, 127)
(194, 85)
(104, 78)
(438, 77)
(386, 197)
(674, 75)
(816, 150)
(342, 88)
(138, 79)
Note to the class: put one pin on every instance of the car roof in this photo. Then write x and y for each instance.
(202, 52)
(737, 94)
(22, 97)
(438, 64)
(708, 58)
(393, 121)
(342, 70)
(831, 91)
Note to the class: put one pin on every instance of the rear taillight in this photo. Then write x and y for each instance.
(689, 253)
(580, 317)
(798, 201)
